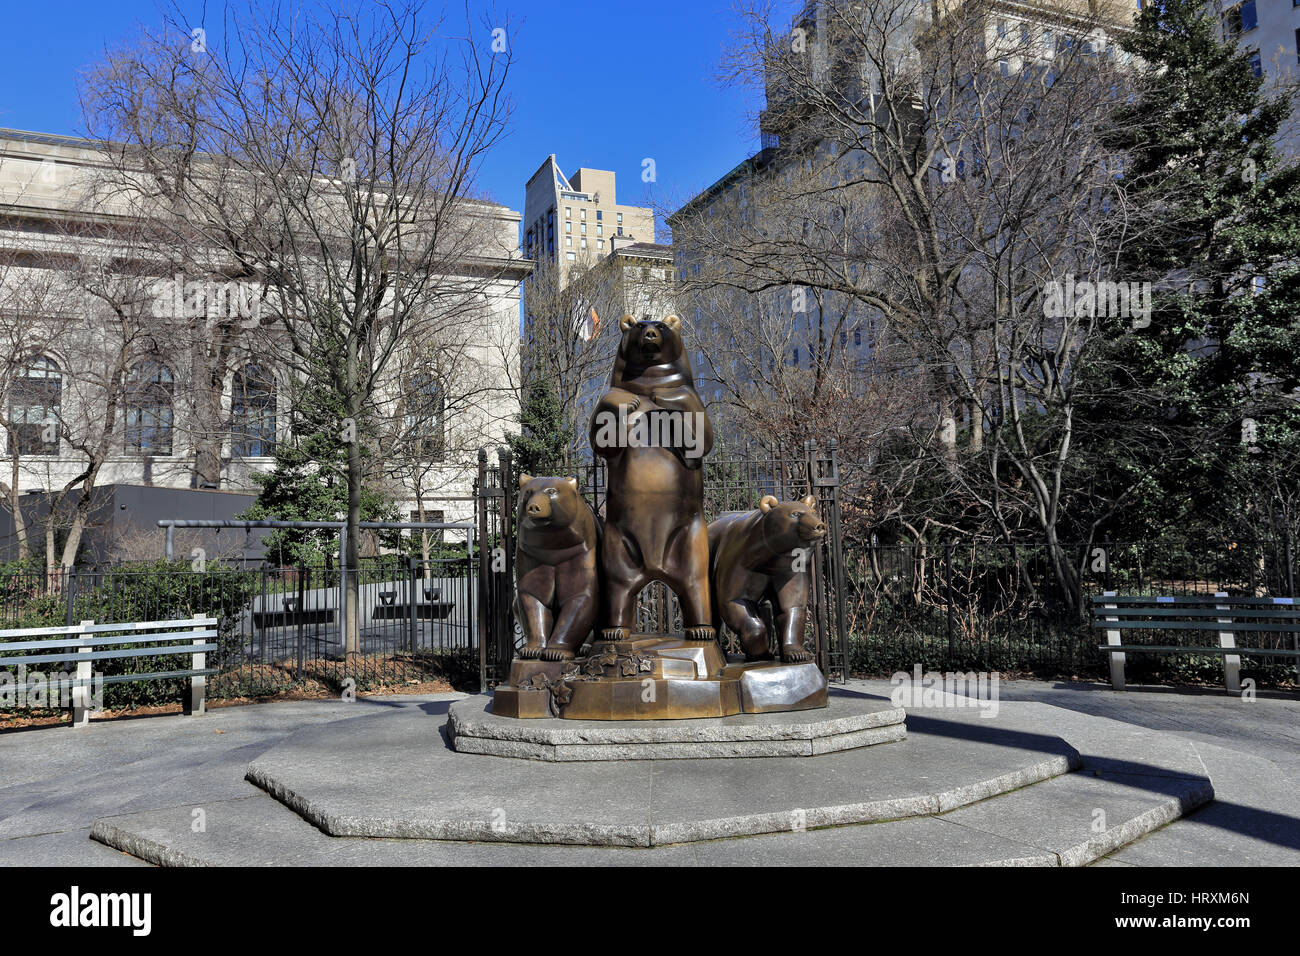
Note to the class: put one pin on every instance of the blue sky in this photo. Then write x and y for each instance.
(670, 109)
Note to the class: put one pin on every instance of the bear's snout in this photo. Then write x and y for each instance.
(539, 506)
(812, 529)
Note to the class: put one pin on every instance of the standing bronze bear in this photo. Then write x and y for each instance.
(556, 572)
(653, 430)
(765, 553)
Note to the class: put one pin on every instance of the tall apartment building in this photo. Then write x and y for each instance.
(566, 220)
(1269, 29)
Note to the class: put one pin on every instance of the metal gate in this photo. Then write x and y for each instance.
(730, 484)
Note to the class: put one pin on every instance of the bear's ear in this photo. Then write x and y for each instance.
(626, 322)
(673, 322)
(810, 501)
(524, 479)
(572, 483)
(767, 504)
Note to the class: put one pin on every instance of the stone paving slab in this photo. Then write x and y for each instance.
(364, 778)
(257, 831)
(1254, 819)
(1083, 816)
(63, 848)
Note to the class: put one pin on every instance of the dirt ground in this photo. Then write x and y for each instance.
(308, 691)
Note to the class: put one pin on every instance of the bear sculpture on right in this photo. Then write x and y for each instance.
(765, 553)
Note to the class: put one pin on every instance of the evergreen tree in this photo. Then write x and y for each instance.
(540, 447)
(1217, 217)
(309, 479)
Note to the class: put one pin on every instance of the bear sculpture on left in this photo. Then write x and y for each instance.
(556, 568)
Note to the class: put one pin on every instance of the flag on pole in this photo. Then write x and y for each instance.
(587, 326)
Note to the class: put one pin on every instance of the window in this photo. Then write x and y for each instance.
(149, 409)
(568, 242)
(857, 337)
(598, 211)
(584, 215)
(796, 357)
(568, 212)
(1297, 39)
(1024, 32)
(570, 256)
(584, 243)
(844, 338)
(584, 228)
(423, 423)
(34, 407)
(619, 217)
(1240, 19)
(252, 413)
(620, 230)
(600, 229)
(1002, 28)
(1256, 64)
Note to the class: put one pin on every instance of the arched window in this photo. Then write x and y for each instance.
(34, 406)
(425, 407)
(252, 413)
(149, 409)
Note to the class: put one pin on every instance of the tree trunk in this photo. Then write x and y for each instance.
(351, 556)
(15, 505)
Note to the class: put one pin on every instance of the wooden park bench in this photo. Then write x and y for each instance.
(1225, 616)
(87, 643)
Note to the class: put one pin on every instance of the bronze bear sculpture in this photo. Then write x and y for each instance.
(653, 430)
(765, 553)
(556, 571)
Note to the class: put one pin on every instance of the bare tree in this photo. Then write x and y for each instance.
(932, 171)
(330, 157)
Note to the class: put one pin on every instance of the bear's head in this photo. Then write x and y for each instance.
(790, 524)
(651, 342)
(548, 502)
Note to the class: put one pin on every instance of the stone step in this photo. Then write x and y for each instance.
(1046, 824)
(371, 777)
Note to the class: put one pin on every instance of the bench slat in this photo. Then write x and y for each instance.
(75, 657)
(1124, 612)
(1194, 626)
(1208, 599)
(96, 628)
(8, 646)
(150, 625)
(1170, 649)
(59, 684)
(159, 675)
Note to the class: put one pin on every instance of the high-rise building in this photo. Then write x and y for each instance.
(570, 220)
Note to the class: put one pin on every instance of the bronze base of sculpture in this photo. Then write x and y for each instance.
(656, 677)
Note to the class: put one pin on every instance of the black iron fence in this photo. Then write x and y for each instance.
(876, 608)
(979, 605)
(279, 628)
(730, 484)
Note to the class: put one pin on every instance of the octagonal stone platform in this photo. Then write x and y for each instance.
(846, 723)
(364, 778)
